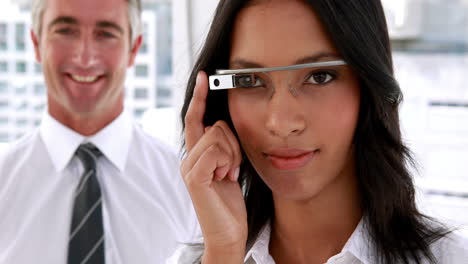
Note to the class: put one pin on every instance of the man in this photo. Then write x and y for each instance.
(89, 186)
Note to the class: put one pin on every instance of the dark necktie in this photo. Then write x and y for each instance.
(86, 243)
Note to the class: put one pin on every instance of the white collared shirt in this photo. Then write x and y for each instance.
(452, 249)
(352, 253)
(146, 207)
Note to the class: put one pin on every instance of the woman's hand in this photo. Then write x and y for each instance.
(210, 172)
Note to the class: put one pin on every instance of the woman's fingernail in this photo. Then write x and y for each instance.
(197, 80)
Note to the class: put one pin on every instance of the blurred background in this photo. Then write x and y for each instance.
(430, 44)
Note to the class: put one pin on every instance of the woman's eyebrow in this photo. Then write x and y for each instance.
(321, 56)
(242, 63)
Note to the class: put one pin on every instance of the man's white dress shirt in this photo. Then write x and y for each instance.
(146, 208)
(357, 250)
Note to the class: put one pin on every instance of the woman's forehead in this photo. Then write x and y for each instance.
(278, 33)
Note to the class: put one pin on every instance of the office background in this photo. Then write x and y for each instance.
(430, 44)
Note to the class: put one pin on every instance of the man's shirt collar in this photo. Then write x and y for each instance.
(61, 142)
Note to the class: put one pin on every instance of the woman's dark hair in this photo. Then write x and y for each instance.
(400, 233)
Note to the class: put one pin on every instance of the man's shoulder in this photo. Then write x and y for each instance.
(152, 145)
(18, 155)
(19, 147)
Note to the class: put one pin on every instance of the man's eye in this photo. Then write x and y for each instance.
(65, 31)
(105, 34)
(320, 78)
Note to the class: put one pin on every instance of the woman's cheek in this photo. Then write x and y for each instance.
(245, 122)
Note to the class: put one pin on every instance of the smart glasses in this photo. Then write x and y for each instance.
(298, 78)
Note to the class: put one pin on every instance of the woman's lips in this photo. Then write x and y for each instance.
(290, 159)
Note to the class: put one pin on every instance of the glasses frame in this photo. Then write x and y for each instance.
(226, 79)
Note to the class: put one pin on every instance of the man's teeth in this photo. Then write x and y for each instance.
(85, 79)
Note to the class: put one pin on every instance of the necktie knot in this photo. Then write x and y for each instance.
(88, 155)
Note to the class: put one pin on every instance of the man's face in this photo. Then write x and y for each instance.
(84, 47)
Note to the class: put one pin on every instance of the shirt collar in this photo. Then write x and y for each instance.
(114, 140)
(260, 249)
(357, 245)
(61, 142)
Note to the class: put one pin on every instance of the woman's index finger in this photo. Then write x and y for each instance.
(194, 127)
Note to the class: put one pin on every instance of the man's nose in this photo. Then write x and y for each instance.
(85, 52)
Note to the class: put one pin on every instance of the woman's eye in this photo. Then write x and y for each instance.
(320, 78)
(249, 81)
(257, 82)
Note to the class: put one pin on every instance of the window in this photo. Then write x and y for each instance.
(23, 106)
(3, 66)
(37, 68)
(20, 36)
(21, 122)
(3, 87)
(3, 36)
(3, 104)
(430, 50)
(20, 90)
(21, 67)
(143, 48)
(138, 112)
(3, 120)
(4, 137)
(144, 45)
(141, 70)
(141, 93)
(164, 93)
(39, 89)
(39, 108)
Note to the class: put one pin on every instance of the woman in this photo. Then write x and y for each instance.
(303, 165)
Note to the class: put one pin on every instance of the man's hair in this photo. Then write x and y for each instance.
(133, 11)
